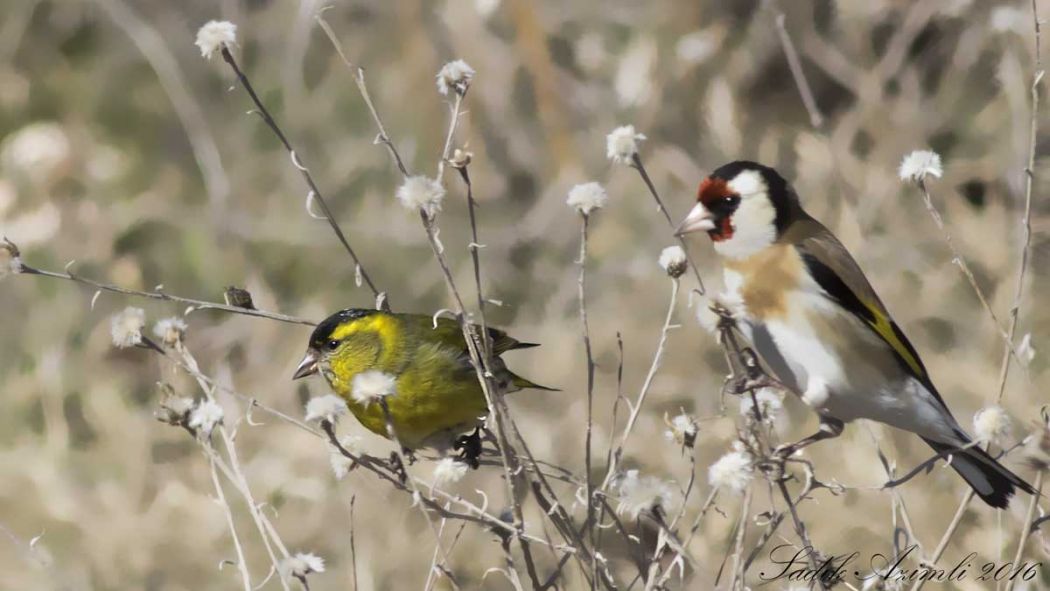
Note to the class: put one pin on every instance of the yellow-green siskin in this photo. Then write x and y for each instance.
(436, 394)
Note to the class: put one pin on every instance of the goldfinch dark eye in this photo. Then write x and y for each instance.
(332, 345)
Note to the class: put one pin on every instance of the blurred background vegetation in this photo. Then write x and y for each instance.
(124, 150)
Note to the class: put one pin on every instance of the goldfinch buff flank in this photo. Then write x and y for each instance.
(818, 324)
(436, 394)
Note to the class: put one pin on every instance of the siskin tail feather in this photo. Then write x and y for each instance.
(520, 382)
(989, 479)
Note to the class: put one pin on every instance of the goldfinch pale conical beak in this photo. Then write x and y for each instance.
(308, 366)
(699, 219)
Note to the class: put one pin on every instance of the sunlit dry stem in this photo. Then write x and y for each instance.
(1008, 349)
(242, 564)
(1033, 503)
(297, 162)
(795, 65)
(636, 408)
(586, 332)
(636, 163)
(166, 297)
(961, 262)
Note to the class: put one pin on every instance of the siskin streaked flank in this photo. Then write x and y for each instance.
(436, 395)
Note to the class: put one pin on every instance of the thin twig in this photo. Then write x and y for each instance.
(636, 163)
(795, 65)
(242, 564)
(164, 296)
(1026, 531)
(314, 191)
(636, 408)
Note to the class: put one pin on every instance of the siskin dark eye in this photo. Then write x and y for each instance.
(332, 345)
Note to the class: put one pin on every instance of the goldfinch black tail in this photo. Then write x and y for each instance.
(992, 481)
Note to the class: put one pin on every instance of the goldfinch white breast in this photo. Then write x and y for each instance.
(818, 324)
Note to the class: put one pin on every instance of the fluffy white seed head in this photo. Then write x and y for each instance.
(328, 407)
(10, 261)
(587, 197)
(919, 164)
(420, 192)
(732, 471)
(369, 386)
(706, 316)
(448, 471)
(682, 430)
(769, 404)
(169, 330)
(125, 327)
(455, 76)
(301, 564)
(206, 416)
(673, 261)
(340, 463)
(643, 493)
(215, 35)
(622, 144)
(991, 424)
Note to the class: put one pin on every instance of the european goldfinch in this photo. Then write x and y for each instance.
(436, 394)
(818, 325)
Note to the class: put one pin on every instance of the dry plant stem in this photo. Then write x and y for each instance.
(447, 150)
(359, 79)
(741, 532)
(959, 260)
(475, 245)
(353, 548)
(795, 65)
(272, 124)
(636, 163)
(1026, 530)
(636, 408)
(586, 332)
(1022, 269)
(800, 527)
(495, 402)
(162, 296)
(242, 564)
(233, 471)
(398, 449)
(708, 503)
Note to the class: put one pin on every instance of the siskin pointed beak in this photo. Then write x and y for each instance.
(699, 219)
(308, 366)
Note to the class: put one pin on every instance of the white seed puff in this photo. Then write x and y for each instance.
(215, 35)
(732, 471)
(328, 407)
(206, 417)
(301, 564)
(455, 76)
(169, 330)
(991, 424)
(919, 164)
(587, 197)
(448, 471)
(673, 261)
(622, 144)
(369, 386)
(643, 493)
(125, 328)
(421, 192)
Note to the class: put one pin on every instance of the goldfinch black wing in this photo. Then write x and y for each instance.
(835, 271)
